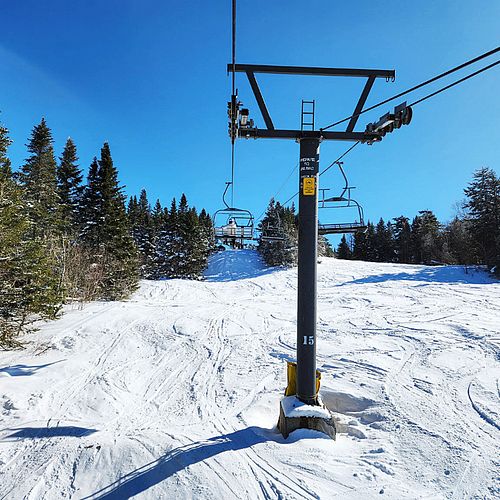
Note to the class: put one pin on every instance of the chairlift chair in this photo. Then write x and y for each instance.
(342, 201)
(233, 226)
(272, 232)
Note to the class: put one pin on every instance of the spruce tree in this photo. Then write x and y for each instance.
(460, 242)
(91, 209)
(142, 227)
(483, 206)
(166, 257)
(279, 222)
(38, 177)
(370, 239)
(359, 250)
(402, 239)
(5, 165)
(69, 179)
(343, 250)
(29, 286)
(120, 250)
(106, 231)
(426, 238)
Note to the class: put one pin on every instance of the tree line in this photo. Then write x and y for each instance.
(471, 238)
(64, 240)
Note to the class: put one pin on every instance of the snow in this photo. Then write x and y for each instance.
(175, 393)
(294, 408)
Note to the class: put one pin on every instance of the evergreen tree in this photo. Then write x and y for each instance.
(359, 251)
(166, 257)
(402, 239)
(29, 286)
(383, 242)
(106, 231)
(343, 250)
(159, 216)
(280, 223)
(69, 179)
(207, 233)
(38, 177)
(5, 165)
(91, 210)
(426, 238)
(370, 242)
(460, 242)
(483, 207)
(324, 247)
(142, 227)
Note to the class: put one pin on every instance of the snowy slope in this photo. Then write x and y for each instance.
(174, 394)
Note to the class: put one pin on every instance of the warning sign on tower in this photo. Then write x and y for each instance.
(309, 186)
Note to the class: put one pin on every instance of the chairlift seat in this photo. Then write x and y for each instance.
(341, 228)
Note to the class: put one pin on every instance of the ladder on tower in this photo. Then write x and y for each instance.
(307, 115)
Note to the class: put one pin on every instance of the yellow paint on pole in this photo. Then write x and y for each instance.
(309, 186)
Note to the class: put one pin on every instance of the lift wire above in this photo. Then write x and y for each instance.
(233, 88)
(416, 87)
(279, 190)
(454, 83)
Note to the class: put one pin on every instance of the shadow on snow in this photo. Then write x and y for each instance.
(25, 370)
(155, 472)
(438, 274)
(48, 432)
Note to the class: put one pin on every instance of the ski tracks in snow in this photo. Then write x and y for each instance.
(174, 394)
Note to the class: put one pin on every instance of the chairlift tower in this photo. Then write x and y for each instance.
(309, 139)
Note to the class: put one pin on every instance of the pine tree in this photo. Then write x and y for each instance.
(384, 248)
(166, 258)
(69, 179)
(105, 229)
(324, 247)
(460, 242)
(343, 250)
(207, 232)
(5, 165)
(402, 239)
(279, 222)
(38, 177)
(29, 286)
(371, 248)
(426, 238)
(91, 209)
(142, 227)
(483, 206)
(359, 251)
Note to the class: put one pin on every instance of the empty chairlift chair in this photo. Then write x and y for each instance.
(342, 201)
(272, 232)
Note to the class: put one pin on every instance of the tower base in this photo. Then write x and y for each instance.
(294, 414)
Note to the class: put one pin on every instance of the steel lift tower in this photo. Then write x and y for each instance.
(304, 410)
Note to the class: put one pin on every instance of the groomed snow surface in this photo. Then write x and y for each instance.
(175, 393)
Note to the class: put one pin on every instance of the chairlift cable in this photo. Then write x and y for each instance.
(454, 83)
(279, 190)
(416, 87)
(233, 89)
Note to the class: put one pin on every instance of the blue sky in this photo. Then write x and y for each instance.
(150, 78)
